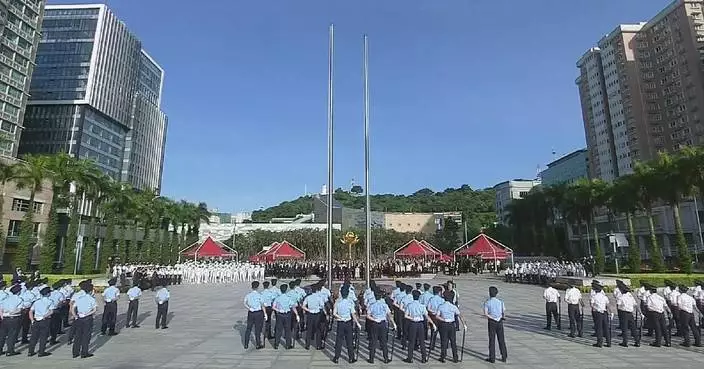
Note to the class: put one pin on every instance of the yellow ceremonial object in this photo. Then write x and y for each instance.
(350, 239)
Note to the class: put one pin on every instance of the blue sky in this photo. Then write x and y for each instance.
(462, 91)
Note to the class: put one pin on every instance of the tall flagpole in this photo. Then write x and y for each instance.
(331, 48)
(366, 161)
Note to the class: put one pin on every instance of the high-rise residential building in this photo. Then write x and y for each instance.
(96, 94)
(642, 90)
(19, 25)
(567, 169)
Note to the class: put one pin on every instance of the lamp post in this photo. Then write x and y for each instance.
(331, 48)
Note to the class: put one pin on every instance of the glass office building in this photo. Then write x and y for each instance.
(19, 26)
(88, 95)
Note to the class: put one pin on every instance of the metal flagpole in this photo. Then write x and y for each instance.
(331, 48)
(366, 161)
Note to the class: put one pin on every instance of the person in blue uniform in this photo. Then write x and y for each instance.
(110, 296)
(255, 316)
(84, 309)
(162, 306)
(425, 296)
(57, 299)
(133, 295)
(28, 295)
(433, 303)
(301, 295)
(344, 313)
(67, 290)
(415, 315)
(406, 298)
(284, 305)
(446, 315)
(314, 307)
(72, 307)
(378, 318)
(270, 294)
(41, 314)
(398, 315)
(10, 310)
(495, 312)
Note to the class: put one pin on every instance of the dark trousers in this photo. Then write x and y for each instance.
(63, 311)
(675, 321)
(448, 334)
(54, 321)
(687, 323)
(379, 336)
(647, 323)
(267, 324)
(496, 330)
(314, 332)
(254, 319)
(344, 332)
(40, 333)
(551, 312)
(398, 319)
(25, 324)
(109, 317)
(573, 313)
(132, 311)
(83, 328)
(283, 326)
(9, 330)
(161, 311)
(302, 322)
(627, 324)
(434, 333)
(415, 337)
(602, 328)
(658, 323)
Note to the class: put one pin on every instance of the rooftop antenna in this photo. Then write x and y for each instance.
(554, 155)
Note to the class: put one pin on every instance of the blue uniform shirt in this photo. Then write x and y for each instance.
(315, 302)
(162, 296)
(3, 295)
(134, 293)
(85, 305)
(11, 306)
(416, 311)
(301, 293)
(368, 296)
(405, 300)
(352, 294)
(42, 308)
(425, 297)
(396, 295)
(254, 301)
(378, 310)
(283, 303)
(293, 295)
(434, 303)
(325, 292)
(345, 308)
(266, 297)
(56, 297)
(28, 297)
(77, 295)
(495, 308)
(447, 312)
(111, 294)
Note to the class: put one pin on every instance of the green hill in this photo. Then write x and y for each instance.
(477, 206)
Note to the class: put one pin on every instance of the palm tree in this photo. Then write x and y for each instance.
(555, 198)
(30, 174)
(624, 200)
(647, 184)
(7, 173)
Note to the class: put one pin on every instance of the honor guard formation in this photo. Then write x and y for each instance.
(543, 272)
(191, 272)
(35, 313)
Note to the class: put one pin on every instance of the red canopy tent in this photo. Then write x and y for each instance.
(446, 258)
(260, 255)
(484, 247)
(415, 248)
(283, 250)
(429, 246)
(207, 249)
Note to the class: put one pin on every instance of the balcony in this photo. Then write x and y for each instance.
(32, 5)
(8, 117)
(14, 28)
(14, 101)
(20, 14)
(14, 47)
(12, 64)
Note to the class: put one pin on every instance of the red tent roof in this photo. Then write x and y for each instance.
(413, 248)
(430, 247)
(209, 248)
(282, 250)
(445, 257)
(485, 247)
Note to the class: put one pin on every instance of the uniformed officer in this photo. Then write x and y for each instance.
(296, 298)
(57, 299)
(433, 303)
(344, 313)
(447, 313)
(67, 291)
(656, 314)
(255, 316)
(28, 295)
(686, 306)
(10, 308)
(378, 318)
(85, 306)
(552, 298)
(72, 308)
(133, 295)
(268, 296)
(406, 298)
(495, 312)
(41, 315)
(415, 313)
(671, 295)
(627, 307)
(396, 296)
(424, 298)
(110, 296)
(301, 295)
(284, 306)
(162, 306)
(573, 298)
(314, 307)
(600, 305)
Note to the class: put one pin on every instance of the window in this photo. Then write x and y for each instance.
(23, 205)
(14, 229)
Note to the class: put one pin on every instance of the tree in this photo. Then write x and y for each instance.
(647, 186)
(357, 190)
(449, 236)
(7, 173)
(624, 200)
(30, 174)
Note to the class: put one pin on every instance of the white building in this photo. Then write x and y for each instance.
(508, 191)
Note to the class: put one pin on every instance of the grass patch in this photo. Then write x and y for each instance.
(658, 279)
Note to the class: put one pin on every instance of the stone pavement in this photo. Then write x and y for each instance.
(206, 324)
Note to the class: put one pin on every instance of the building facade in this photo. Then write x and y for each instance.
(96, 94)
(508, 191)
(20, 22)
(567, 169)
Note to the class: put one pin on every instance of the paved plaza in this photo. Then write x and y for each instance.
(206, 324)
